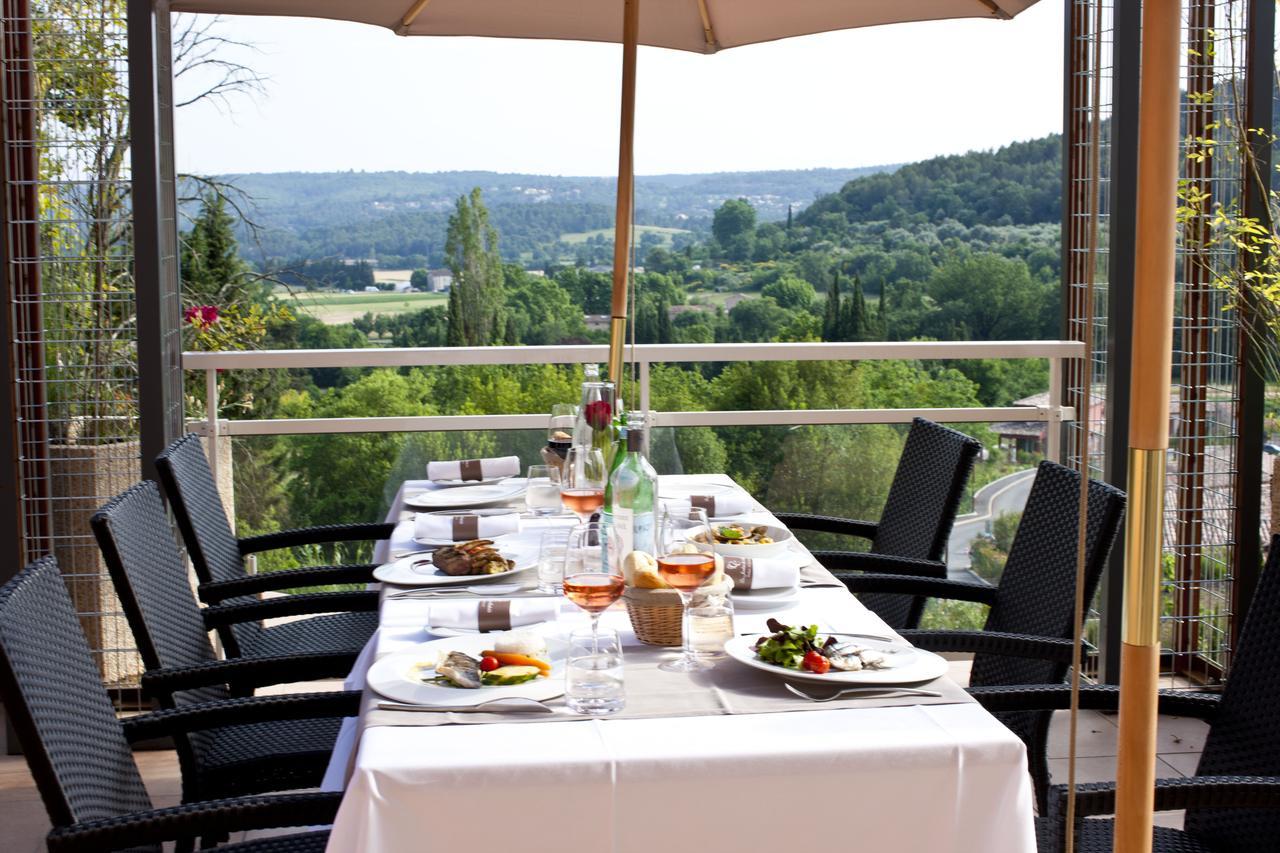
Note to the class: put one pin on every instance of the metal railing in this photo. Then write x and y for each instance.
(641, 357)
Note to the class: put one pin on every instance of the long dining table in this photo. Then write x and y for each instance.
(724, 760)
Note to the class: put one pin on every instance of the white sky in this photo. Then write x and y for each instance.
(349, 96)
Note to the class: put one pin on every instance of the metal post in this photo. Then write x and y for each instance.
(1259, 76)
(1122, 218)
(211, 413)
(1053, 430)
(155, 228)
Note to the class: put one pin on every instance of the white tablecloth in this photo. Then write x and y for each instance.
(942, 778)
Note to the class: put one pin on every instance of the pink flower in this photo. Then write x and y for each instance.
(201, 316)
(599, 414)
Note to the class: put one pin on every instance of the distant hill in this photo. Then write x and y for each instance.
(363, 214)
(1019, 184)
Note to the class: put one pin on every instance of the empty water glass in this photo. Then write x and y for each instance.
(593, 673)
(551, 557)
(542, 493)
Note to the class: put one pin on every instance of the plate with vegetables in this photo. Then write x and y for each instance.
(804, 653)
(470, 670)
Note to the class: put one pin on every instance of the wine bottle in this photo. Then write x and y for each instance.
(630, 498)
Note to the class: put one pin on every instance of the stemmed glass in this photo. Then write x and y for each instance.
(686, 560)
(582, 482)
(593, 569)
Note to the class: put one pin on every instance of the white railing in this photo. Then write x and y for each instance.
(642, 356)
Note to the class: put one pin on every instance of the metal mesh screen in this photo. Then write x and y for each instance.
(73, 309)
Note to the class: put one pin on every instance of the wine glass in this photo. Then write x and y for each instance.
(582, 482)
(560, 424)
(686, 560)
(593, 569)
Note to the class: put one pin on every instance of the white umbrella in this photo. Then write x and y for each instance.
(703, 26)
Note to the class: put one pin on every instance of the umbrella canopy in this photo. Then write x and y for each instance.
(703, 26)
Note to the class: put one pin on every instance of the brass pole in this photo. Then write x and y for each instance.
(626, 180)
(1158, 145)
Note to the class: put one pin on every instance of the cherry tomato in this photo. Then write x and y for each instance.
(813, 661)
(488, 664)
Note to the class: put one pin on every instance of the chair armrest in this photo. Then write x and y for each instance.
(1000, 643)
(234, 712)
(315, 536)
(215, 591)
(1093, 697)
(983, 593)
(249, 672)
(865, 561)
(222, 615)
(1193, 792)
(828, 524)
(213, 817)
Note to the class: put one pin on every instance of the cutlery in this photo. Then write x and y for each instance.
(400, 555)
(865, 692)
(482, 589)
(511, 703)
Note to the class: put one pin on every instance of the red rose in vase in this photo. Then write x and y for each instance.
(598, 414)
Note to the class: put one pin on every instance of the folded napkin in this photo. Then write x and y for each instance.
(474, 469)
(492, 614)
(730, 503)
(763, 572)
(463, 528)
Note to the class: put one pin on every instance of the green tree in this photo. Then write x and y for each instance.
(989, 297)
(212, 270)
(790, 292)
(734, 225)
(471, 247)
(420, 280)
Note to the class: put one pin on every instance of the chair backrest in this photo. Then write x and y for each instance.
(53, 695)
(926, 491)
(1038, 587)
(1242, 740)
(193, 496)
(150, 577)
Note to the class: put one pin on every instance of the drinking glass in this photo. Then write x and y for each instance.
(593, 569)
(582, 482)
(686, 560)
(560, 424)
(542, 492)
(551, 557)
(593, 673)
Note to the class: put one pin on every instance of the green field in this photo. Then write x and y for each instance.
(665, 233)
(335, 308)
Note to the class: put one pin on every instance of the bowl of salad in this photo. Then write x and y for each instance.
(738, 539)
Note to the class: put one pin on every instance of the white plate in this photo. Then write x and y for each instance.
(453, 484)
(401, 572)
(907, 665)
(673, 490)
(466, 496)
(764, 599)
(394, 675)
(781, 537)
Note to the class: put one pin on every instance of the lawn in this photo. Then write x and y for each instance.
(335, 308)
(665, 233)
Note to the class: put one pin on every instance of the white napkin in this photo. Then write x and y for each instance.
(462, 528)
(730, 503)
(492, 614)
(763, 572)
(476, 469)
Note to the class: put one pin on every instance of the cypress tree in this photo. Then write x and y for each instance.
(788, 218)
(666, 334)
(859, 318)
(456, 335)
(831, 315)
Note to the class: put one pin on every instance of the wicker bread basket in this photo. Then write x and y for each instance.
(656, 615)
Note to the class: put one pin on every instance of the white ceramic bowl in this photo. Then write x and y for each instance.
(781, 540)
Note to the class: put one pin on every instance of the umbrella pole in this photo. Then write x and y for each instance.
(626, 181)
(1158, 141)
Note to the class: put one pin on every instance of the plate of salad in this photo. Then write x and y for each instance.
(805, 653)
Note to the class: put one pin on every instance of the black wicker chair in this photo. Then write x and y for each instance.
(218, 556)
(1233, 802)
(1027, 636)
(171, 631)
(79, 753)
(911, 536)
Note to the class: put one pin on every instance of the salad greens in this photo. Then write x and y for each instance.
(787, 646)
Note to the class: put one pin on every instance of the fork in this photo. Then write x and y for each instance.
(515, 703)
(484, 589)
(866, 692)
